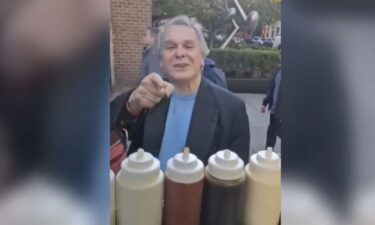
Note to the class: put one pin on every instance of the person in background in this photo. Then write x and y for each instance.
(272, 100)
(214, 73)
(163, 117)
(150, 59)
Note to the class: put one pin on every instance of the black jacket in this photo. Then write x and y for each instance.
(219, 121)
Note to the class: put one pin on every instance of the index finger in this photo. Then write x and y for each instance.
(156, 80)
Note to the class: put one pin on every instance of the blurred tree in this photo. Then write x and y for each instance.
(269, 11)
(212, 14)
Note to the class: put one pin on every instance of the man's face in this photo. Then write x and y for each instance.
(148, 39)
(182, 57)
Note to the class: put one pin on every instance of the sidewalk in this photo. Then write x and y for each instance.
(258, 122)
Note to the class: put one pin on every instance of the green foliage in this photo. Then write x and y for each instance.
(269, 12)
(211, 13)
(242, 45)
(246, 63)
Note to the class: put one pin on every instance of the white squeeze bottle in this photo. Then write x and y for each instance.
(112, 198)
(139, 190)
(263, 188)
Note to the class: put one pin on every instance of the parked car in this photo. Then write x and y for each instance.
(257, 40)
(268, 43)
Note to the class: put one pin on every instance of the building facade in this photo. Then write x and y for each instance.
(271, 31)
(129, 20)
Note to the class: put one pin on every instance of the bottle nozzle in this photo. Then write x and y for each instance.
(269, 152)
(186, 152)
(140, 153)
(227, 154)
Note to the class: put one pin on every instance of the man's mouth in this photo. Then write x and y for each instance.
(181, 65)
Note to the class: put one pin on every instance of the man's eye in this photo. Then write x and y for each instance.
(189, 46)
(170, 47)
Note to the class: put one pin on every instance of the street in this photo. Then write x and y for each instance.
(258, 123)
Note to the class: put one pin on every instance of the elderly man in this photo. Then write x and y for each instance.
(163, 117)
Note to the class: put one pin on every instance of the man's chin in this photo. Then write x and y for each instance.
(180, 76)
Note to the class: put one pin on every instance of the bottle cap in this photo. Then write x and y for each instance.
(185, 168)
(265, 164)
(140, 168)
(225, 165)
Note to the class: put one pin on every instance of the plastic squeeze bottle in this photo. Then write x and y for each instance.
(224, 189)
(184, 178)
(263, 188)
(139, 190)
(112, 198)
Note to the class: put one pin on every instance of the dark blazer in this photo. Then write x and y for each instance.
(219, 121)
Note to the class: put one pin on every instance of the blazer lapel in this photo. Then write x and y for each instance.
(155, 126)
(203, 121)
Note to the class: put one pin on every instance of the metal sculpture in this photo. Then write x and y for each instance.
(250, 21)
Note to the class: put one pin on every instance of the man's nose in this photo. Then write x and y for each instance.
(180, 52)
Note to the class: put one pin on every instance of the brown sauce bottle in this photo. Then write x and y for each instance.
(183, 190)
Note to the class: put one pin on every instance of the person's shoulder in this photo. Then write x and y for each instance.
(154, 51)
(149, 53)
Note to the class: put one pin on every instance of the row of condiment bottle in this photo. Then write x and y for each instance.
(225, 192)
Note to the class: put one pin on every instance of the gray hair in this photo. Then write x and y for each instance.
(184, 21)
